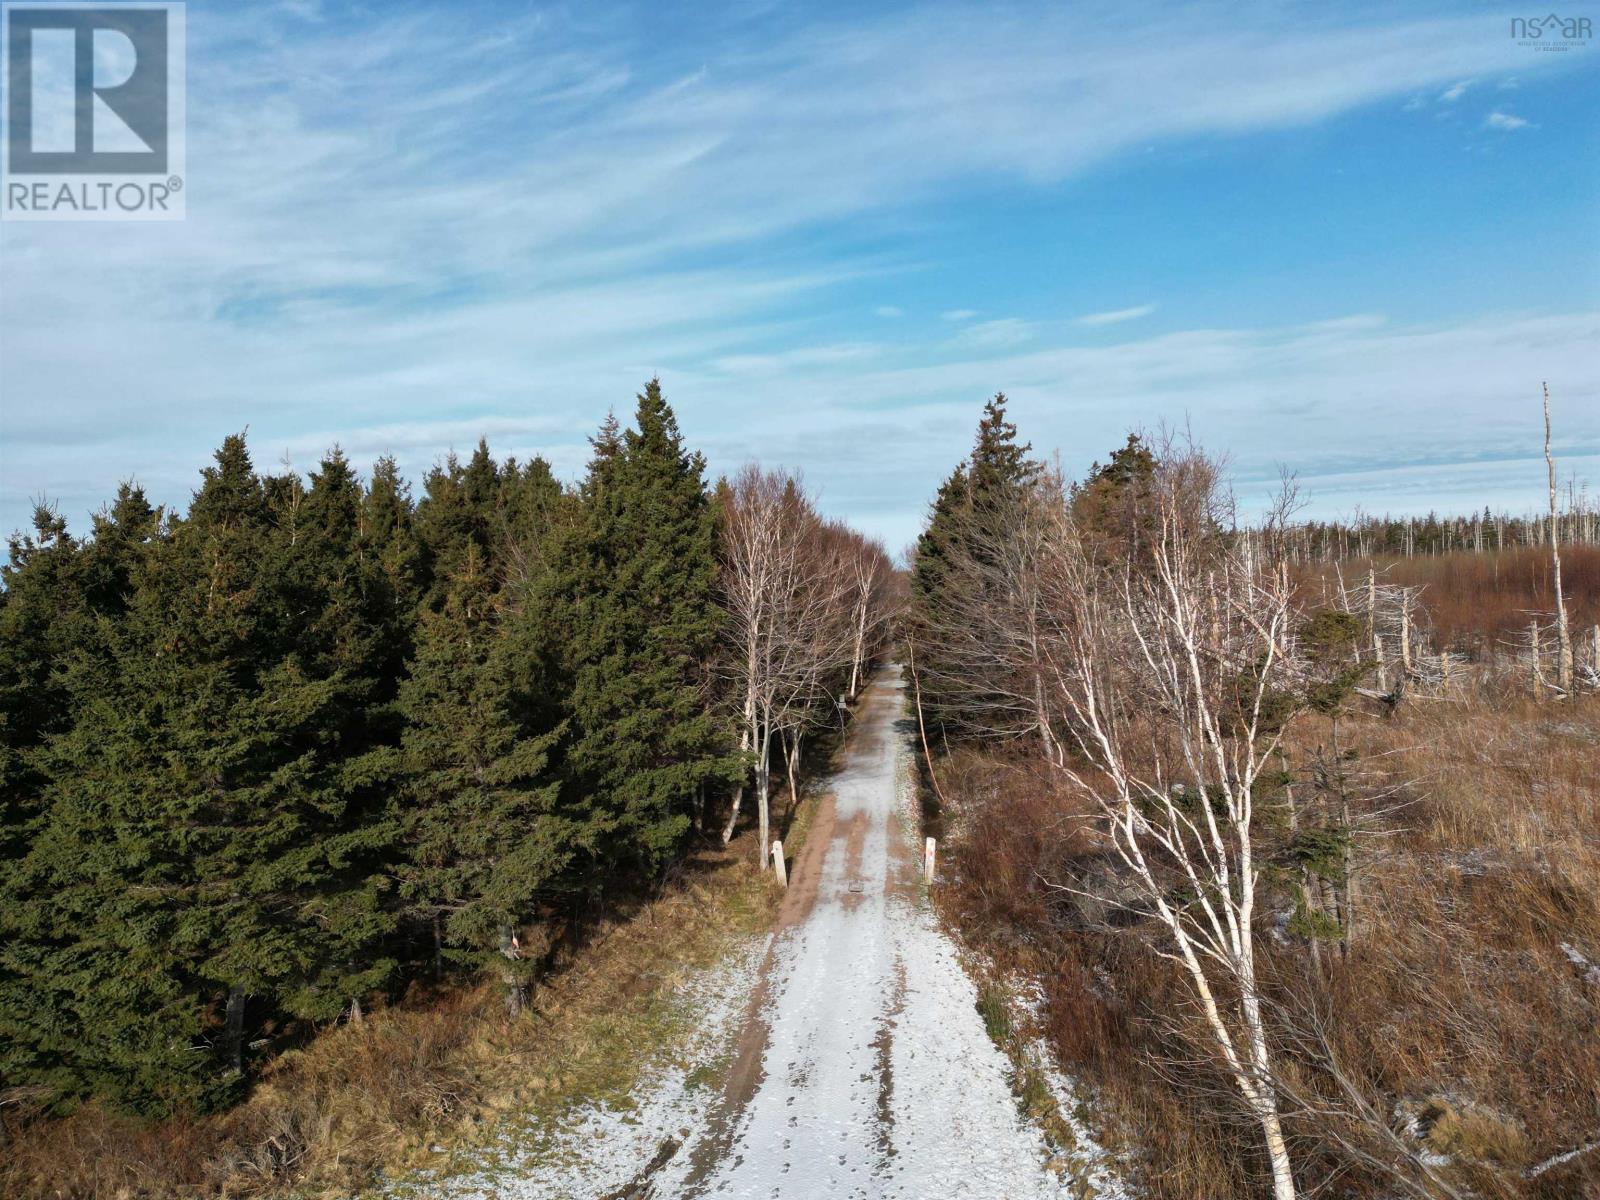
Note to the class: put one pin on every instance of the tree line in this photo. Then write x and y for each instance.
(270, 760)
(1577, 523)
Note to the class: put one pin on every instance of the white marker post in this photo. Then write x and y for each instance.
(929, 851)
(778, 863)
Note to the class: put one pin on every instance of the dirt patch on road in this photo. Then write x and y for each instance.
(746, 1073)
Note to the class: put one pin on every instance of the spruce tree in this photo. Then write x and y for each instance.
(392, 561)
(458, 508)
(209, 843)
(112, 942)
(970, 516)
(482, 835)
(639, 619)
(1112, 504)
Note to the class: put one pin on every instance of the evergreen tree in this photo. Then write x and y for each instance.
(969, 516)
(459, 507)
(1113, 502)
(483, 838)
(392, 561)
(205, 842)
(998, 468)
(638, 615)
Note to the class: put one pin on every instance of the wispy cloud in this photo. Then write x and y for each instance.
(1504, 121)
(1007, 331)
(888, 311)
(1354, 322)
(404, 229)
(1455, 91)
(959, 314)
(1116, 316)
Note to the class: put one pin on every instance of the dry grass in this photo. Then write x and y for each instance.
(1479, 602)
(1456, 1004)
(1471, 899)
(377, 1095)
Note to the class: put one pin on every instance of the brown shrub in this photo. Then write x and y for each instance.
(1459, 997)
(1479, 602)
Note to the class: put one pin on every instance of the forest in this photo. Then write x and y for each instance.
(273, 760)
(338, 823)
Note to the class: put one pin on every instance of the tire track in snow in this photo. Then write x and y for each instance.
(876, 1078)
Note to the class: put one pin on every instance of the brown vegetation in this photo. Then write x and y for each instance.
(1464, 1016)
(1312, 892)
(1481, 603)
(377, 1094)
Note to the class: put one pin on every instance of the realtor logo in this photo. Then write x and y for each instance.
(93, 107)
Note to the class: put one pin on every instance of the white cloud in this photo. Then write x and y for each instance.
(888, 311)
(401, 230)
(790, 360)
(959, 314)
(1116, 316)
(1356, 321)
(1455, 91)
(1007, 331)
(1504, 121)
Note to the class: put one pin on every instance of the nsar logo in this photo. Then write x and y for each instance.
(1552, 32)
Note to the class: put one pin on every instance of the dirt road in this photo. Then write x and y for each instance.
(854, 1059)
(864, 1069)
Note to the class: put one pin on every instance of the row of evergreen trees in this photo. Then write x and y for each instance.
(1487, 532)
(268, 759)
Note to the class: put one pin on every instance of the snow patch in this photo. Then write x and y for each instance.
(595, 1150)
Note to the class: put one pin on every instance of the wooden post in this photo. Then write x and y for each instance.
(929, 853)
(1594, 649)
(511, 950)
(779, 867)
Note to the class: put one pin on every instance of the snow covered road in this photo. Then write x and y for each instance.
(860, 1065)
(874, 1077)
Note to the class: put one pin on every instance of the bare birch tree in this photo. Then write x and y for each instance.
(817, 637)
(871, 578)
(789, 584)
(1174, 678)
(1564, 661)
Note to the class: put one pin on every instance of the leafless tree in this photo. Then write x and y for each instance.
(1173, 676)
(872, 607)
(1564, 662)
(790, 586)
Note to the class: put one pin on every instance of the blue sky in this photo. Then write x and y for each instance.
(1350, 240)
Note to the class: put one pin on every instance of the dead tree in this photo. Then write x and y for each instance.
(1563, 631)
